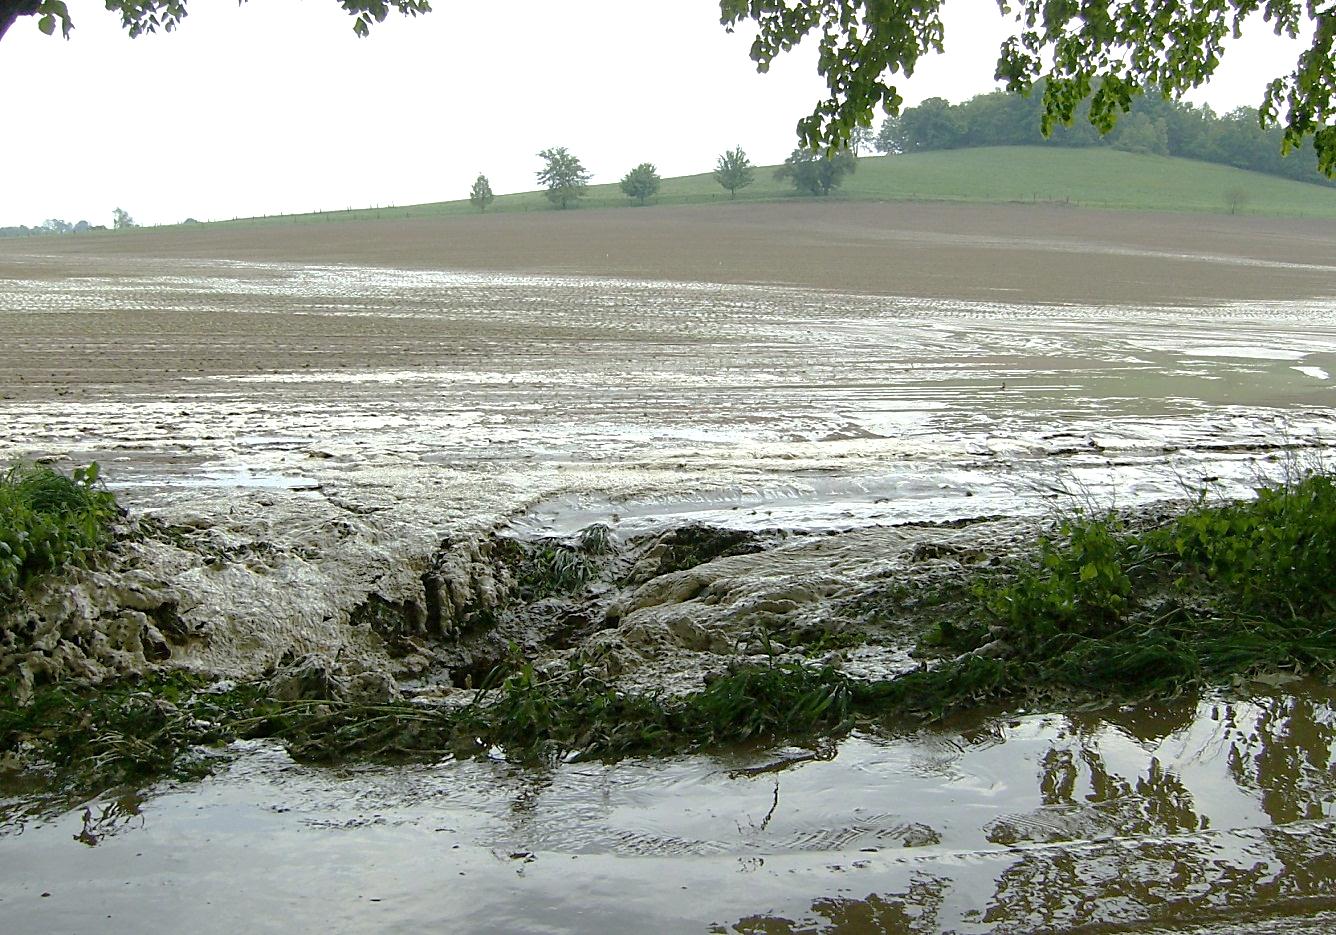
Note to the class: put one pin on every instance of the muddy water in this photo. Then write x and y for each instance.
(639, 402)
(1213, 816)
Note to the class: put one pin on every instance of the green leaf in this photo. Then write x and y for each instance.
(47, 24)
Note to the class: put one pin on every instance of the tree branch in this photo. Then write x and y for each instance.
(10, 10)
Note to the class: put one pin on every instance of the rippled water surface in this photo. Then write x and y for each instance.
(1131, 819)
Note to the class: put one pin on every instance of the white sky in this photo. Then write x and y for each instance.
(275, 106)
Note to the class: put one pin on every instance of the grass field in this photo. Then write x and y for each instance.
(1096, 178)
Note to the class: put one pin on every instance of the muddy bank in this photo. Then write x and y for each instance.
(368, 601)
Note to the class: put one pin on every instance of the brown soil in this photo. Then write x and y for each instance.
(1009, 252)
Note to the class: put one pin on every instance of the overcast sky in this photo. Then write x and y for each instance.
(275, 106)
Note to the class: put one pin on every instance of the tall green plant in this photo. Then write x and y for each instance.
(49, 520)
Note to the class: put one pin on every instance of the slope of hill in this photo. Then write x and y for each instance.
(1096, 178)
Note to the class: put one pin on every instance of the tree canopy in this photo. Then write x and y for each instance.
(1157, 126)
(563, 175)
(145, 16)
(1104, 52)
(480, 195)
(734, 170)
(641, 182)
(817, 172)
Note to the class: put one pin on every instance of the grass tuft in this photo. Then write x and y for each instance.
(49, 521)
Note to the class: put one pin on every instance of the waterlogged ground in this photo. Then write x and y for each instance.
(640, 402)
(1212, 816)
(352, 395)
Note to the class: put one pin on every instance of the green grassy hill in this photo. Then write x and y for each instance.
(1096, 178)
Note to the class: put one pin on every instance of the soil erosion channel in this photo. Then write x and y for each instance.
(348, 439)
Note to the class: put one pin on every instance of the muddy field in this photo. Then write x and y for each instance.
(331, 417)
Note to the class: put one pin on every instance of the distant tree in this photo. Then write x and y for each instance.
(1140, 133)
(121, 220)
(641, 182)
(891, 137)
(817, 173)
(862, 139)
(480, 196)
(564, 176)
(733, 171)
(57, 226)
(82, 227)
(934, 124)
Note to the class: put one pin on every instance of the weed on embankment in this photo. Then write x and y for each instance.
(1219, 590)
(49, 521)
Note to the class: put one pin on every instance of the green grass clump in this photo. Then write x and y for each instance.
(1218, 591)
(49, 521)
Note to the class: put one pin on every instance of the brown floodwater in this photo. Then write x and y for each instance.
(1210, 815)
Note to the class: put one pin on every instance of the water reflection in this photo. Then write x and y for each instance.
(1125, 819)
(1176, 814)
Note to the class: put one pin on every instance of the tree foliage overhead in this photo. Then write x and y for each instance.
(817, 172)
(1104, 52)
(641, 182)
(563, 176)
(146, 16)
(733, 171)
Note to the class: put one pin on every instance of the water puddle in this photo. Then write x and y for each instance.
(1134, 818)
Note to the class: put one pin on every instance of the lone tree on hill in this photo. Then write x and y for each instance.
(817, 173)
(121, 220)
(564, 176)
(641, 182)
(480, 196)
(733, 171)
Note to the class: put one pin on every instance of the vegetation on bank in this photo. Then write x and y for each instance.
(50, 520)
(1101, 610)
(1217, 591)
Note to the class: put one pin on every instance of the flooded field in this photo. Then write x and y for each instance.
(650, 401)
(319, 433)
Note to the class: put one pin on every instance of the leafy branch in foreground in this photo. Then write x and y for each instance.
(148, 16)
(1104, 52)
